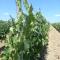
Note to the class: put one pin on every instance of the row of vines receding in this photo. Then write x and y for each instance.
(28, 35)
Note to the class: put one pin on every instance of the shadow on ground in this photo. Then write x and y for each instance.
(43, 53)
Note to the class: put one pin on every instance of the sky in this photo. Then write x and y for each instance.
(49, 8)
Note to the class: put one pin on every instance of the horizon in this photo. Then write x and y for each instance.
(50, 9)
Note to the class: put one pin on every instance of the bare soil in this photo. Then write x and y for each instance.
(53, 49)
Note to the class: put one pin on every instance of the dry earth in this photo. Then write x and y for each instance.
(53, 49)
(1, 46)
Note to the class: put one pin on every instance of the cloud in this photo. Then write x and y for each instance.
(58, 15)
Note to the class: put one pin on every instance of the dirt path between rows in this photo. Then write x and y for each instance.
(53, 49)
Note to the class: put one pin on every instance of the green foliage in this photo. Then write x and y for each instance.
(4, 28)
(27, 36)
(57, 26)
